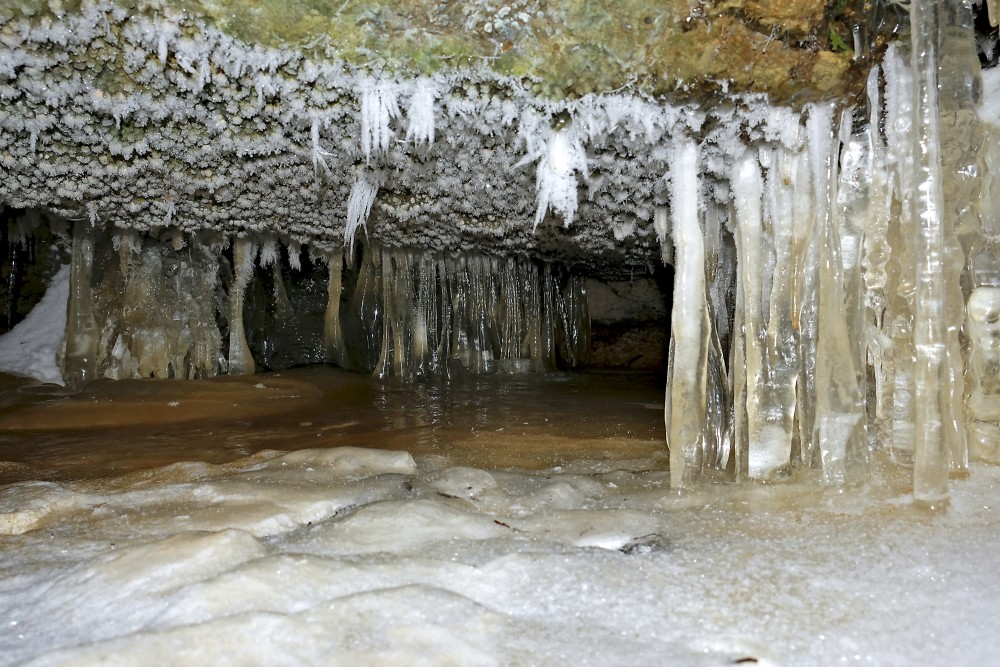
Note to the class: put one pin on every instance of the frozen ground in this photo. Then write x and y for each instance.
(351, 556)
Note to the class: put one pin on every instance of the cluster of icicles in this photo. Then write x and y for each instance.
(144, 308)
(867, 282)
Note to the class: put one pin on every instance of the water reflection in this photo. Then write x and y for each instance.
(500, 421)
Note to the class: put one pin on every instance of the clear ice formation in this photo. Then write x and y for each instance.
(164, 310)
(856, 249)
(837, 279)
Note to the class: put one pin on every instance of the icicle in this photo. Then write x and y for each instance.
(771, 417)
(984, 373)
(378, 109)
(901, 235)
(875, 260)
(838, 397)
(333, 335)
(420, 114)
(684, 407)
(764, 449)
(932, 380)
(80, 358)
(240, 360)
(359, 208)
(555, 181)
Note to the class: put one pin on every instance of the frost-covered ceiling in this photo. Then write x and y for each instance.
(539, 127)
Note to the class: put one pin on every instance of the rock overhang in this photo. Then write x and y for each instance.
(193, 117)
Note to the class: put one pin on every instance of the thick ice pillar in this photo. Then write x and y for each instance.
(690, 326)
(933, 379)
(839, 396)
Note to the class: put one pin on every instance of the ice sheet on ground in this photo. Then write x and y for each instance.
(351, 556)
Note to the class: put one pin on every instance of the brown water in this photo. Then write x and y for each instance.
(497, 421)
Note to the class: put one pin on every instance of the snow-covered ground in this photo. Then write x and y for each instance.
(350, 556)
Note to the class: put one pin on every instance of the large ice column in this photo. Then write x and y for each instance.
(690, 326)
(839, 382)
(934, 381)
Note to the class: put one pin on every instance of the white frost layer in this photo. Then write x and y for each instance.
(351, 556)
(30, 348)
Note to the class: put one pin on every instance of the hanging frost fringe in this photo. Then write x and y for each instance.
(359, 207)
(379, 108)
(420, 113)
(318, 154)
(556, 179)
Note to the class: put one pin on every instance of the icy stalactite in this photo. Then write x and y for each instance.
(244, 255)
(933, 380)
(874, 263)
(80, 356)
(416, 313)
(839, 395)
(685, 409)
(156, 309)
(901, 234)
(773, 427)
(754, 447)
(333, 334)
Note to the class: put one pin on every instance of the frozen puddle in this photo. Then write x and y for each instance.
(355, 556)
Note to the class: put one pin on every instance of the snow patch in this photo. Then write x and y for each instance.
(30, 349)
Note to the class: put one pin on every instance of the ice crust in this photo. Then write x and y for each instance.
(352, 556)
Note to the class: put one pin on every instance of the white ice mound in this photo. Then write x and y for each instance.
(30, 348)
